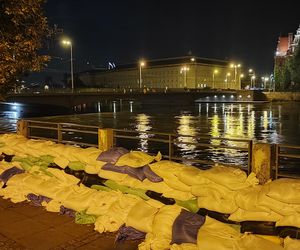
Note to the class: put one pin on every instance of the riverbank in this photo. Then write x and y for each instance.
(282, 96)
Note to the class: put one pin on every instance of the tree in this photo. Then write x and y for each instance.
(22, 30)
(282, 75)
(294, 68)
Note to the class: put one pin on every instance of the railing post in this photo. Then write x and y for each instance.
(250, 156)
(59, 133)
(170, 147)
(22, 128)
(105, 138)
(261, 161)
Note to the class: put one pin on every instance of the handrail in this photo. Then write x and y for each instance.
(59, 131)
(292, 157)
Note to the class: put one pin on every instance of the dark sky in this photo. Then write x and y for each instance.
(122, 31)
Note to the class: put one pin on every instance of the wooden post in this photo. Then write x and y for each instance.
(261, 161)
(22, 128)
(105, 138)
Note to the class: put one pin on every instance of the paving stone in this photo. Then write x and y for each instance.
(52, 219)
(22, 228)
(28, 210)
(47, 239)
(75, 230)
(7, 217)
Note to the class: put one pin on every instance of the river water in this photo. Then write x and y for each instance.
(268, 122)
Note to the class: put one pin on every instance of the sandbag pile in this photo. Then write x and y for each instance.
(143, 197)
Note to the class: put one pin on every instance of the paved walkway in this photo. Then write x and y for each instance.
(23, 226)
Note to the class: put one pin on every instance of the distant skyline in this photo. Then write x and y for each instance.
(124, 31)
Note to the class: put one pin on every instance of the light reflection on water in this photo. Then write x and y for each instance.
(271, 123)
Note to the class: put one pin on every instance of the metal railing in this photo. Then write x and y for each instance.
(168, 144)
(67, 133)
(287, 159)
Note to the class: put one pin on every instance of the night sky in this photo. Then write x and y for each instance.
(124, 31)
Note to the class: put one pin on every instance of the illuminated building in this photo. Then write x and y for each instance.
(286, 47)
(168, 73)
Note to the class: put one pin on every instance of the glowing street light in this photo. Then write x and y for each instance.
(227, 78)
(236, 66)
(69, 43)
(214, 73)
(265, 79)
(184, 70)
(141, 65)
(252, 74)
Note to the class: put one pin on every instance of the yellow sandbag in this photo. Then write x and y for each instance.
(141, 216)
(277, 206)
(232, 178)
(136, 159)
(291, 244)
(285, 190)
(184, 246)
(250, 199)
(243, 215)
(251, 242)
(274, 239)
(192, 176)
(215, 235)
(163, 221)
(61, 161)
(292, 220)
(15, 193)
(101, 202)
(79, 199)
(52, 206)
(116, 214)
(211, 190)
(67, 179)
(152, 242)
(169, 171)
(110, 175)
(217, 204)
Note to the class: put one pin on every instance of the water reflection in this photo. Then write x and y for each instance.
(187, 128)
(143, 125)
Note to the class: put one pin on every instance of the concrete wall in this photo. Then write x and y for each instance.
(282, 96)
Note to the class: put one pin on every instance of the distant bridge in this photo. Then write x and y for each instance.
(67, 98)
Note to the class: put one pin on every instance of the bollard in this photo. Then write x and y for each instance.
(22, 128)
(105, 138)
(261, 161)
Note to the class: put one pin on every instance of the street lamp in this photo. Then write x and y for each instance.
(141, 64)
(236, 66)
(214, 73)
(184, 70)
(227, 79)
(265, 79)
(252, 74)
(69, 43)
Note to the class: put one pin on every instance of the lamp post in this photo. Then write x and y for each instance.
(227, 79)
(252, 74)
(265, 79)
(235, 67)
(214, 73)
(184, 70)
(69, 43)
(141, 64)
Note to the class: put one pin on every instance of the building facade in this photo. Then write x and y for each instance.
(181, 72)
(286, 47)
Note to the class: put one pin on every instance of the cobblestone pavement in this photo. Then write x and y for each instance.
(23, 226)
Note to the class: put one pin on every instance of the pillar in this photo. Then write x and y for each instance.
(261, 161)
(22, 128)
(105, 138)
